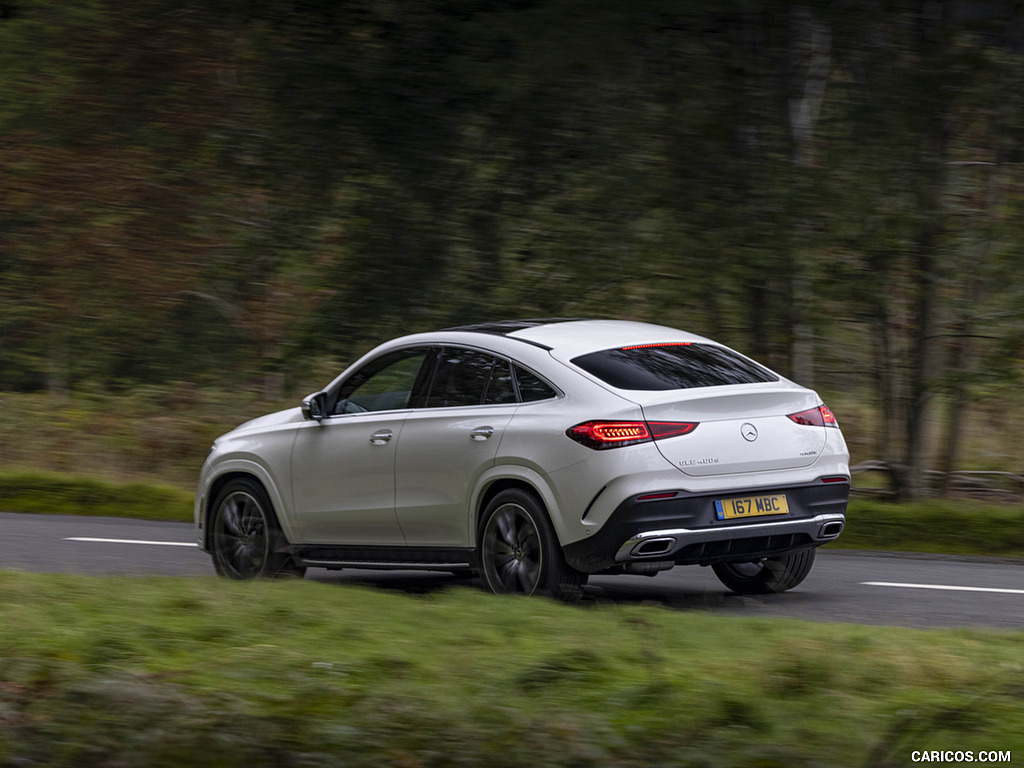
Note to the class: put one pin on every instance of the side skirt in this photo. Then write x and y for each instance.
(382, 558)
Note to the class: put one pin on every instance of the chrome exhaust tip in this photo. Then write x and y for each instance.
(653, 547)
(831, 530)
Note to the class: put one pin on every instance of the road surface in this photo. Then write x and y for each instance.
(857, 587)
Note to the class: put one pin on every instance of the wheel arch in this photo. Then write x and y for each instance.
(248, 470)
(514, 476)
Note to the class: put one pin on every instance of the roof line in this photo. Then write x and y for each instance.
(507, 327)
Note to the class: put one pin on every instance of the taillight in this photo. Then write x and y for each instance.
(816, 417)
(662, 429)
(600, 435)
(609, 434)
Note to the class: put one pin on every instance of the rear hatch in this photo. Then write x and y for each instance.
(742, 408)
(742, 428)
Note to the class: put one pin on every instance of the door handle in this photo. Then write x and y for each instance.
(481, 433)
(379, 438)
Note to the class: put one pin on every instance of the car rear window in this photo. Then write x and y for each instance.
(672, 366)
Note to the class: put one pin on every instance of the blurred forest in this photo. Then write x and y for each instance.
(235, 194)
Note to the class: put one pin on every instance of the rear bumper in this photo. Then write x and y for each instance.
(684, 530)
(683, 545)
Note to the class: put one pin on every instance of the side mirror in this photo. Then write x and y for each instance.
(315, 406)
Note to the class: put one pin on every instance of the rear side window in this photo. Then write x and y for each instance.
(672, 366)
(468, 377)
(462, 378)
(531, 387)
(500, 390)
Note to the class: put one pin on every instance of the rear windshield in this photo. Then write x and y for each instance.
(672, 366)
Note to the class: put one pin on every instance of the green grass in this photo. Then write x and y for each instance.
(213, 673)
(150, 434)
(940, 527)
(54, 493)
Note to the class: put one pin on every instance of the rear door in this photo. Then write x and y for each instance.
(448, 444)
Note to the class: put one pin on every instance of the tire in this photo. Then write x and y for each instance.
(774, 574)
(519, 552)
(245, 538)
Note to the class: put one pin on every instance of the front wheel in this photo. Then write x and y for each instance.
(244, 535)
(774, 574)
(519, 552)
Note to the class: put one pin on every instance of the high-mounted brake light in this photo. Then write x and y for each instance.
(816, 417)
(600, 435)
(662, 344)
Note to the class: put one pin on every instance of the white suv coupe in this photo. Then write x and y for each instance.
(535, 453)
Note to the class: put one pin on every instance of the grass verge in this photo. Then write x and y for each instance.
(55, 493)
(203, 673)
(939, 527)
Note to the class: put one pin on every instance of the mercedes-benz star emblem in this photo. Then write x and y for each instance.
(749, 432)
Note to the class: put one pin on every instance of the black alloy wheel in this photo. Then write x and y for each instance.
(245, 538)
(520, 553)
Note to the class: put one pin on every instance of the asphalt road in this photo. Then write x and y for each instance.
(858, 587)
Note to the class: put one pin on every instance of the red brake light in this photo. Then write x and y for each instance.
(663, 429)
(600, 435)
(816, 417)
(609, 434)
(828, 416)
(662, 344)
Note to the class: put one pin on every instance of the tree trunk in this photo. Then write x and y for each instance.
(885, 389)
(811, 55)
(924, 364)
(923, 367)
(963, 358)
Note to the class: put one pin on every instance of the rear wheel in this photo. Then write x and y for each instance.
(774, 574)
(245, 539)
(519, 552)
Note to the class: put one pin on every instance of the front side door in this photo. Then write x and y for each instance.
(446, 445)
(343, 467)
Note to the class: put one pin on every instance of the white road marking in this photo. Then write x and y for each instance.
(134, 541)
(943, 586)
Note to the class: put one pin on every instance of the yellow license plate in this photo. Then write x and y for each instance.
(752, 506)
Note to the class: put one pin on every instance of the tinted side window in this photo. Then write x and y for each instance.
(383, 384)
(501, 388)
(672, 366)
(532, 387)
(461, 378)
